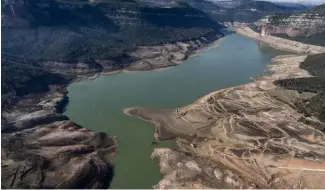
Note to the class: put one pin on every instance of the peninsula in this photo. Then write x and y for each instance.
(265, 134)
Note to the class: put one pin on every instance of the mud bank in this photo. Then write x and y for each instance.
(246, 136)
(280, 43)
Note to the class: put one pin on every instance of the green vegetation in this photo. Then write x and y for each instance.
(317, 33)
(244, 11)
(318, 10)
(315, 65)
(77, 31)
(80, 31)
(22, 76)
(276, 19)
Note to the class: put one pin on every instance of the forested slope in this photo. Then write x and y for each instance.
(48, 42)
(315, 65)
(79, 31)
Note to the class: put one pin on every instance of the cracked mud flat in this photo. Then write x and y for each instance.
(241, 137)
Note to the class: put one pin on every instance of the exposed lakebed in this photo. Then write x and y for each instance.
(98, 104)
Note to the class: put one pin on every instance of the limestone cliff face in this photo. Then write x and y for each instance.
(295, 25)
(298, 24)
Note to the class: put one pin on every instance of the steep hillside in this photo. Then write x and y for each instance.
(48, 42)
(319, 10)
(230, 3)
(231, 10)
(252, 11)
(264, 6)
(309, 24)
(84, 32)
(298, 6)
(315, 106)
(247, 11)
(45, 150)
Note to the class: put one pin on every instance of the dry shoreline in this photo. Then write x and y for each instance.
(192, 53)
(287, 66)
(246, 136)
(241, 116)
(281, 43)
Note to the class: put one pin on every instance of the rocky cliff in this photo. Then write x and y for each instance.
(305, 24)
(40, 148)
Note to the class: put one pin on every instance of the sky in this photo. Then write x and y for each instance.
(301, 1)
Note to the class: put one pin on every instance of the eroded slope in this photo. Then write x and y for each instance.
(43, 149)
(248, 136)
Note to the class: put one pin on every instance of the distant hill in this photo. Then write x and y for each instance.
(297, 6)
(251, 11)
(264, 6)
(231, 10)
(318, 10)
(229, 3)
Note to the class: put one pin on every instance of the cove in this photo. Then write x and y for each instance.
(98, 104)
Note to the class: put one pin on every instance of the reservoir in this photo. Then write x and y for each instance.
(98, 104)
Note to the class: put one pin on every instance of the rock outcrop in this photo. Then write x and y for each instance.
(44, 149)
(40, 147)
(296, 24)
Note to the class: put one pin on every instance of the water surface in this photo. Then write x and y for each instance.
(98, 104)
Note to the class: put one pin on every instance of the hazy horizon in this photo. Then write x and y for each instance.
(314, 2)
(305, 2)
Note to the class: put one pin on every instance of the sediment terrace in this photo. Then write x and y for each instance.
(280, 43)
(246, 136)
(169, 54)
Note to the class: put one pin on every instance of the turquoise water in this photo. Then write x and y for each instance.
(98, 104)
